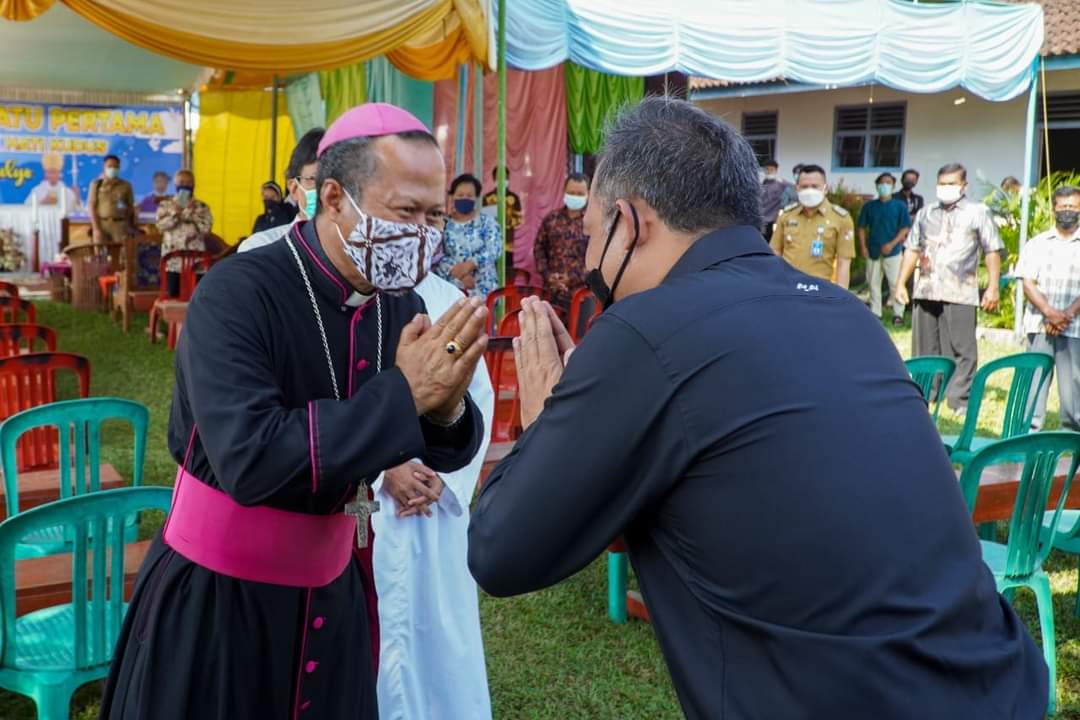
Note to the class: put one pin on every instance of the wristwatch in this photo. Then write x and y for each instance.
(459, 413)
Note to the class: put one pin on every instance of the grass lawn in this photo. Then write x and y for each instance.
(551, 654)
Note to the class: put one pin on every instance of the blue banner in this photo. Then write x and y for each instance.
(53, 152)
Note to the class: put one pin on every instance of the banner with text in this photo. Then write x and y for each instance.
(53, 152)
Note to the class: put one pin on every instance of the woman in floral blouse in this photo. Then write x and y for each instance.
(472, 242)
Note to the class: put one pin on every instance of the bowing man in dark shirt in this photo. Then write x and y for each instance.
(785, 578)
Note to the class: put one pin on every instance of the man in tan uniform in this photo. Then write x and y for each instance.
(112, 205)
(813, 235)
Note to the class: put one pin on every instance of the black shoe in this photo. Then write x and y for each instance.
(897, 321)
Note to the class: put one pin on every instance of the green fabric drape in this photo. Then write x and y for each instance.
(342, 89)
(590, 98)
(306, 107)
(385, 83)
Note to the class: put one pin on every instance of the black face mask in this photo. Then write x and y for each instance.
(1067, 219)
(595, 277)
(908, 184)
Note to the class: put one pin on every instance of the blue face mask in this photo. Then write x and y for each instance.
(465, 205)
(884, 190)
(311, 200)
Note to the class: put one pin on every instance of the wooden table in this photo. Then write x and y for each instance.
(43, 486)
(171, 312)
(999, 484)
(46, 581)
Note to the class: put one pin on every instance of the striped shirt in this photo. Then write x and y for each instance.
(1053, 262)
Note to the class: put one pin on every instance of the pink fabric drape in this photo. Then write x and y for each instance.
(535, 144)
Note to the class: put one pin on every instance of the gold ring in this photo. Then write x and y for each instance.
(453, 347)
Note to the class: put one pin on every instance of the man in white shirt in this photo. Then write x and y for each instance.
(431, 656)
(300, 186)
(1050, 268)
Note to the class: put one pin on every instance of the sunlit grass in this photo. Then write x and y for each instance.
(551, 654)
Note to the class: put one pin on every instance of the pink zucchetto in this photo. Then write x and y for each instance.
(370, 120)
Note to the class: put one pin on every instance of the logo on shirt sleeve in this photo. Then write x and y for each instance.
(808, 288)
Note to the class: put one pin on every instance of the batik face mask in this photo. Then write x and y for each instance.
(393, 257)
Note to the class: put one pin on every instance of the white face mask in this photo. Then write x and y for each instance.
(393, 257)
(575, 202)
(949, 194)
(811, 197)
(770, 176)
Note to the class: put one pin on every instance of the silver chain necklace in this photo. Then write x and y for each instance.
(322, 328)
(361, 508)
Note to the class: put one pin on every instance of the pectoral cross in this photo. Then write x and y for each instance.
(361, 508)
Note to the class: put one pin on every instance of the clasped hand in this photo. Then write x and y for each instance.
(414, 488)
(540, 353)
(437, 378)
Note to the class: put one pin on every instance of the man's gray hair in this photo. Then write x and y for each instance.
(694, 169)
(352, 163)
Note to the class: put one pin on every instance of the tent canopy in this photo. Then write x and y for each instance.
(987, 48)
(429, 37)
(61, 51)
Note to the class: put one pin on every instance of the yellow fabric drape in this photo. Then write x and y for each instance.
(234, 24)
(272, 22)
(22, 10)
(438, 55)
(232, 156)
(342, 89)
(433, 62)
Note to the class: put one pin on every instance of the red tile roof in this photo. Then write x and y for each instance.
(1062, 22)
(1061, 19)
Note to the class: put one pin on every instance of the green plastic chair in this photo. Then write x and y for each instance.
(49, 653)
(1019, 563)
(927, 370)
(79, 424)
(1019, 407)
(1067, 539)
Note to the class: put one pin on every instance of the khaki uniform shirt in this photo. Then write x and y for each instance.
(949, 241)
(813, 243)
(114, 199)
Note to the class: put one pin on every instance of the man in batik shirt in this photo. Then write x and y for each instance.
(560, 244)
(184, 223)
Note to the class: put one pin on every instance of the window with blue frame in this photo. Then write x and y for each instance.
(869, 136)
(759, 129)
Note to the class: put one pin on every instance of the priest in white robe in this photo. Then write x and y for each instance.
(431, 660)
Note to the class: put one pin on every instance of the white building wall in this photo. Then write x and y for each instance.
(987, 137)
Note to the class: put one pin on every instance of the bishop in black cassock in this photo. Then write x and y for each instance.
(254, 416)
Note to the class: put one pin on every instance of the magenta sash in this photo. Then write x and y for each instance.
(256, 543)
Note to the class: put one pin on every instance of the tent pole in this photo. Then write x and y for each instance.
(1029, 181)
(502, 137)
(478, 122)
(462, 119)
(273, 128)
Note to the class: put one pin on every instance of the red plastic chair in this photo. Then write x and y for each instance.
(506, 425)
(28, 381)
(14, 310)
(21, 338)
(192, 262)
(511, 298)
(577, 307)
(8, 288)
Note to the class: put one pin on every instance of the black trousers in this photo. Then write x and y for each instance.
(943, 328)
(172, 283)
